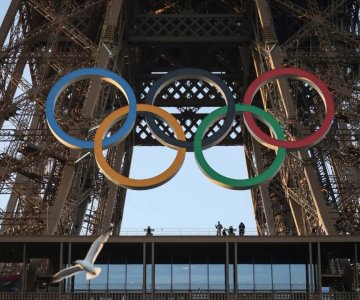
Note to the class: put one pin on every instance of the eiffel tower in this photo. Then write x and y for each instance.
(316, 192)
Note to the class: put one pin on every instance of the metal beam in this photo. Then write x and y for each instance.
(72, 32)
(298, 216)
(113, 189)
(319, 275)
(264, 190)
(8, 20)
(115, 10)
(356, 267)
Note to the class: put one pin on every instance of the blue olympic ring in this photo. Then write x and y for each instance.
(77, 75)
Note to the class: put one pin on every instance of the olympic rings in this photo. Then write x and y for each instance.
(138, 184)
(238, 184)
(200, 75)
(179, 143)
(311, 79)
(67, 80)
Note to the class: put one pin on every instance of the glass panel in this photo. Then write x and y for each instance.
(311, 273)
(231, 277)
(100, 282)
(181, 279)
(117, 277)
(199, 277)
(281, 276)
(80, 282)
(163, 276)
(263, 277)
(298, 276)
(134, 277)
(148, 277)
(246, 276)
(217, 277)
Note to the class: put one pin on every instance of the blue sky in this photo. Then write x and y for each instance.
(189, 200)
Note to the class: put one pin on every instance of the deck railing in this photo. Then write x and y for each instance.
(178, 296)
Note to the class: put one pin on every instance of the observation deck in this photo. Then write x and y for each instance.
(188, 267)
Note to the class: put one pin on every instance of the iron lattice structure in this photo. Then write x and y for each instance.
(53, 190)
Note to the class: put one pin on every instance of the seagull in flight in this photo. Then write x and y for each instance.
(86, 264)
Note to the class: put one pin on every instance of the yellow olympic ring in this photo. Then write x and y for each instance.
(138, 184)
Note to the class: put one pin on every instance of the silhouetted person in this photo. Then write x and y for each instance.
(241, 228)
(149, 231)
(218, 228)
(231, 230)
(224, 232)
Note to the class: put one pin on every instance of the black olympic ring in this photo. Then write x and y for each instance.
(194, 74)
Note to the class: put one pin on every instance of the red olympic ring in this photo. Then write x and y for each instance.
(300, 74)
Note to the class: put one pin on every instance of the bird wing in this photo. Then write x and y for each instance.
(65, 273)
(96, 246)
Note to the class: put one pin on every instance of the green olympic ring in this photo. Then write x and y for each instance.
(231, 183)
